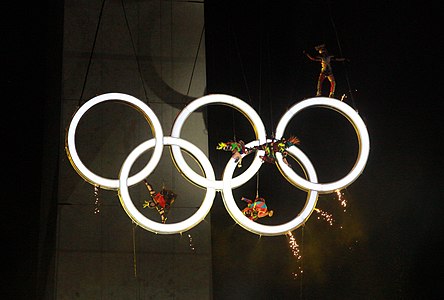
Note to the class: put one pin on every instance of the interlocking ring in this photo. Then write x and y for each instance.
(143, 221)
(300, 219)
(363, 140)
(83, 171)
(247, 111)
(208, 181)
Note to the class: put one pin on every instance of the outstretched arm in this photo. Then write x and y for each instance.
(246, 200)
(341, 59)
(311, 57)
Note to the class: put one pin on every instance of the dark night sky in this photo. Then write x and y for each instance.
(391, 238)
(254, 52)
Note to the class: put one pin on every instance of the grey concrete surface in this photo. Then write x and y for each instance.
(104, 255)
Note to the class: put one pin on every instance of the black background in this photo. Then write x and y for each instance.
(388, 243)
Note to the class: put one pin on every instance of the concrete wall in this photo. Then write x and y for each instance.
(102, 255)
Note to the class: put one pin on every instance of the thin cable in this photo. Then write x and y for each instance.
(234, 125)
(195, 58)
(301, 295)
(134, 50)
(92, 52)
(269, 89)
(257, 184)
(341, 54)
(241, 64)
(260, 75)
(134, 250)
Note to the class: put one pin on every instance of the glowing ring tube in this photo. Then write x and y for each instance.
(242, 107)
(363, 139)
(140, 219)
(103, 182)
(269, 230)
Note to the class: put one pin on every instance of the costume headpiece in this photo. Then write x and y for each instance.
(319, 47)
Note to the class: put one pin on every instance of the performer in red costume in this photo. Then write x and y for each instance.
(162, 201)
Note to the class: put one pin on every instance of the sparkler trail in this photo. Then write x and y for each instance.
(97, 200)
(190, 238)
(296, 253)
(325, 215)
(342, 200)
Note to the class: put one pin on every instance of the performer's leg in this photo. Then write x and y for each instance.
(331, 78)
(319, 87)
(150, 188)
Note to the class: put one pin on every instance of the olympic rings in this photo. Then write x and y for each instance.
(70, 144)
(143, 221)
(300, 219)
(208, 181)
(363, 140)
(247, 111)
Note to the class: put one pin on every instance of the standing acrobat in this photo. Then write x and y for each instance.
(326, 71)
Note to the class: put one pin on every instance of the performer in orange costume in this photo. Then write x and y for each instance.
(256, 209)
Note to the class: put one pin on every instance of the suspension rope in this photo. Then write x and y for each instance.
(257, 184)
(134, 250)
(134, 50)
(260, 75)
(260, 96)
(195, 59)
(242, 65)
(340, 53)
(92, 52)
(301, 294)
(233, 117)
(269, 86)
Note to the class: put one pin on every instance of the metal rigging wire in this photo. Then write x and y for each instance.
(134, 49)
(340, 53)
(92, 52)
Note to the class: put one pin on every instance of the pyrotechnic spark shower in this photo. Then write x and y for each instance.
(96, 200)
(342, 200)
(190, 239)
(296, 252)
(325, 215)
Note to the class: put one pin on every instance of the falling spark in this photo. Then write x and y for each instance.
(296, 253)
(190, 238)
(325, 215)
(97, 200)
(342, 200)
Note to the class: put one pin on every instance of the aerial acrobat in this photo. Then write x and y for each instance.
(326, 70)
(270, 148)
(236, 149)
(256, 208)
(275, 146)
(162, 200)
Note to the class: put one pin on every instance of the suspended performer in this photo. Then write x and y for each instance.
(256, 208)
(162, 201)
(326, 70)
(271, 148)
(237, 149)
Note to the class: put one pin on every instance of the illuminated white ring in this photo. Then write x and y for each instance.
(242, 107)
(363, 140)
(103, 182)
(269, 230)
(139, 218)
